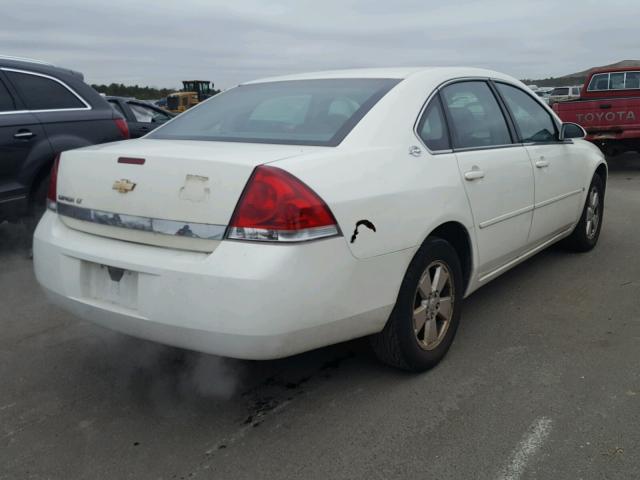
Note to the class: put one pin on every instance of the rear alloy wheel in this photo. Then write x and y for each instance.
(587, 231)
(425, 318)
(433, 305)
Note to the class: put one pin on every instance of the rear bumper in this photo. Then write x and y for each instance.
(604, 134)
(243, 300)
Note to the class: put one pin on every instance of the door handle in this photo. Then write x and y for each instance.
(542, 163)
(474, 174)
(24, 135)
(605, 105)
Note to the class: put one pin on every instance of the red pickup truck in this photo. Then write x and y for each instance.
(608, 109)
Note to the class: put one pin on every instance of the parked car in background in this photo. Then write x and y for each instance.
(44, 110)
(564, 94)
(141, 116)
(544, 93)
(608, 109)
(301, 211)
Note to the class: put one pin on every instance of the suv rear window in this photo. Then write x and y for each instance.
(41, 93)
(300, 112)
(560, 91)
(6, 100)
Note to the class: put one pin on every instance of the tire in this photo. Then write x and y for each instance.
(403, 343)
(585, 235)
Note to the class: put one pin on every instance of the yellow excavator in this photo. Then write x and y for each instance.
(193, 92)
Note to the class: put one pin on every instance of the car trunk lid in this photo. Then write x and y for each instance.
(169, 193)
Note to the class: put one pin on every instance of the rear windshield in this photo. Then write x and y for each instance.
(560, 91)
(300, 112)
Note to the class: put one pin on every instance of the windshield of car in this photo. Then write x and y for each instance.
(300, 112)
(560, 91)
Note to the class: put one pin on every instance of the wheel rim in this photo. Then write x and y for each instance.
(433, 305)
(593, 213)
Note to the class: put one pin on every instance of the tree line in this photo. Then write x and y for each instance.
(136, 91)
(556, 82)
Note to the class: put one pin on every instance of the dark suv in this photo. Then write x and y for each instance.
(44, 110)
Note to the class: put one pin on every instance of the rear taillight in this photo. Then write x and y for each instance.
(122, 125)
(52, 194)
(277, 207)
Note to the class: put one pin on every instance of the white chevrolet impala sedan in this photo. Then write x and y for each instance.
(291, 213)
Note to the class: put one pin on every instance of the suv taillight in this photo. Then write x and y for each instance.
(122, 125)
(277, 207)
(52, 194)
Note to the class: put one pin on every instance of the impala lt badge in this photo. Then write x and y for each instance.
(124, 185)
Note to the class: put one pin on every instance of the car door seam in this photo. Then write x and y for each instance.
(506, 216)
(549, 201)
(530, 208)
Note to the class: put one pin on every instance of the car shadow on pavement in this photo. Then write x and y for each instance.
(149, 370)
(153, 377)
(15, 240)
(626, 162)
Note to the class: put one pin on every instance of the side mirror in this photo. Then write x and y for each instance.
(572, 130)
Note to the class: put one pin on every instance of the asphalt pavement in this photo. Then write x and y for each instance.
(542, 382)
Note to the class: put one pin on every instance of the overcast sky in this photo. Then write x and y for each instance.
(161, 42)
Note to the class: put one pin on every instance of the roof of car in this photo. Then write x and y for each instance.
(613, 69)
(397, 73)
(38, 66)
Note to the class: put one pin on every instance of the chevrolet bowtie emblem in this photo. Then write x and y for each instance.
(124, 186)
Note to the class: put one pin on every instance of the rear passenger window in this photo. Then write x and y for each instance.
(6, 100)
(40, 93)
(432, 128)
(533, 121)
(476, 118)
(147, 114)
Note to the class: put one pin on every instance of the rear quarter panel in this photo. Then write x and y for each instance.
(403, 196)
(371, 176)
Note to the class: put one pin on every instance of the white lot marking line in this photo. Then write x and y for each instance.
(528, 446)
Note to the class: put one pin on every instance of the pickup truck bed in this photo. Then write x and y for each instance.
(610, 117)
